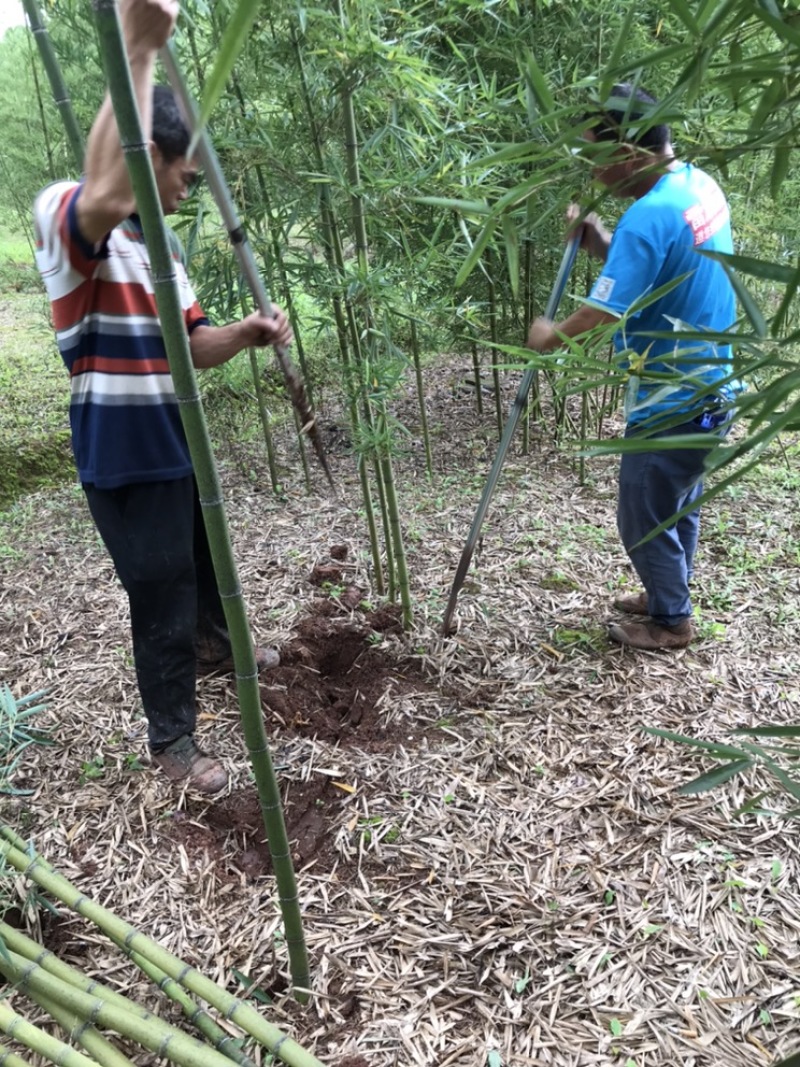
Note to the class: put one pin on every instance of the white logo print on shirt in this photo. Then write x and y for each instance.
(603, 288)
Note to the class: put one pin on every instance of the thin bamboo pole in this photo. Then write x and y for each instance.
(57, 83)
(98, 1047)
(397, 566)
(476, 370)
(494, 337)
(346, 326)
(48, 961)
(137, 157)
(423, 413)
(241, 246)
(40, 1042)
(11, 1059)
(232, 1009)
(152, 1033)
(362, 254)
(567, 263)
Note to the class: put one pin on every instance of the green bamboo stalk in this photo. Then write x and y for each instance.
(137, 157)
(346, 324)
(494, 337)
(42, 116)
(98, 1047)
(152, 1033)
(11, 1059)
(272, 236)
(527, 315)
(394, 514)
(423, 413)
(263, 415)
(232, 1009)
(362, 255)
(48, 961)
(567, 263)
(40, 1042)
(241, 246)
(195, 1014)
(277, 258)
(476, 370)
(57, 83)
(395, 548)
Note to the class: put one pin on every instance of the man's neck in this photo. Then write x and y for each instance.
(654, 166)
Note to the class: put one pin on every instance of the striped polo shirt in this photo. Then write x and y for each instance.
(126, 426)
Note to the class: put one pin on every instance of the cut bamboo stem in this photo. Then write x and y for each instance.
(229, 1007)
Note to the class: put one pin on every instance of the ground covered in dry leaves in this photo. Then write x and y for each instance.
(494, 864)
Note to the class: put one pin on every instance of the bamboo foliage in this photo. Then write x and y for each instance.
(464, 124)
(177, 345)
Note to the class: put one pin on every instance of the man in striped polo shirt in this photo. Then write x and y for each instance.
(130, 449)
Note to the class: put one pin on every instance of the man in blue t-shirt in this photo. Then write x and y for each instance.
(654, 283)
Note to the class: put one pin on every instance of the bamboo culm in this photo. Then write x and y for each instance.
(57, 83)
(145, 191)
(152, 1033)
(346, 325)
(395, 549)
(241, 246)
(78, 1030)
(230, 1007)
(48, 961)
(40, 1042)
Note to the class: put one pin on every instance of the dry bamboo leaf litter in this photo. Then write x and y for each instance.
(516, 872)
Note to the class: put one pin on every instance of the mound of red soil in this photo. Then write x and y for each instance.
(337, 682)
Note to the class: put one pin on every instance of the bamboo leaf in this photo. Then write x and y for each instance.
(711, 779)
(620, 45)
(537, 83)
(715, 748)
(769, 731)
(233, 41)
(511, 238)
(758, 268)
(475, 253)
(682, 10)
(749, 305)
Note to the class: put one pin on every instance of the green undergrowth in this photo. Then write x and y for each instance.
(34, 428)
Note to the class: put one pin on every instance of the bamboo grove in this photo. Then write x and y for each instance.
(403, 175)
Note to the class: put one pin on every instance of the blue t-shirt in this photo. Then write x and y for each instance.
(655, 243)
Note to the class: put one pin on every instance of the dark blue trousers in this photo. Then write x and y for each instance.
(653, 486)
(155, 534)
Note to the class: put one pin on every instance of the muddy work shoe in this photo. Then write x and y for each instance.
(182, 759)
(633, 605)
(651, 636)
(267, 659)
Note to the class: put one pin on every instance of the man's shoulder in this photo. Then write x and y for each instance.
(53, 194)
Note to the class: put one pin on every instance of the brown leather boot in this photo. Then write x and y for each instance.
(651, 636)
(267, 659)
(633, 605)
(182, 759)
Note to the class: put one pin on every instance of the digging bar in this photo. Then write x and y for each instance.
(560, 284)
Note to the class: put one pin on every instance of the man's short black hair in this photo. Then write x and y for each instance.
(620, 119)
(170, 132)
